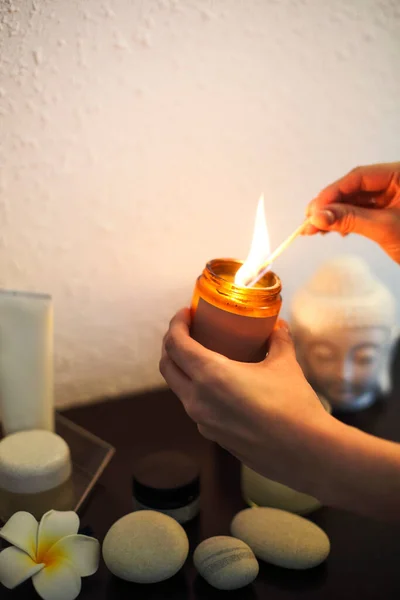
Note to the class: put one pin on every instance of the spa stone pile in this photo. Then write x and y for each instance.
(148, 547)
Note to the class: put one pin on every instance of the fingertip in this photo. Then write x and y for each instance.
(280, 342)
(310, 207)
(310, 230)
(281, 331)
(282, 324)
(329, 195)
(184, 313)
(286, 333)
(323, 219)
(181, 317)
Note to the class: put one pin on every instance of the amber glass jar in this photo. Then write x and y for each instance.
(233, 320)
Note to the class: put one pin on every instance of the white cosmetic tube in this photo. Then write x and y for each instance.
(26, 361)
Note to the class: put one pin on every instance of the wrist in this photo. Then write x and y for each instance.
(316, 440)
(328, 447)
(353, 470)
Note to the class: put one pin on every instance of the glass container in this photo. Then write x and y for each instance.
(233, 320)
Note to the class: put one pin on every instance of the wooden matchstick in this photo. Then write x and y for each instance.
(276, 253)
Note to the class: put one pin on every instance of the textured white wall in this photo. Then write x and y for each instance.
(137, 135)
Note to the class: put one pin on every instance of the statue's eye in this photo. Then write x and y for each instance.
(322, 352)
(366, 356)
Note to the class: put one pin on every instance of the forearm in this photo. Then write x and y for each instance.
(355, 471)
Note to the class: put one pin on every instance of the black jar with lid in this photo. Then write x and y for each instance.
(168, 482)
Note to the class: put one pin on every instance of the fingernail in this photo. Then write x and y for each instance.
(282, 324)
(309, 230)
(288, 332)
(329, 215)
(309, 208)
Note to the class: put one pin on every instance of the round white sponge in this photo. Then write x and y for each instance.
(33, 461)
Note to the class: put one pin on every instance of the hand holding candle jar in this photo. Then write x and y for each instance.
(269, 417)
(252, 409)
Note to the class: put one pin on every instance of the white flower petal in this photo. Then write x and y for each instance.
(58, 581)
(21, 530)
(53, 526)
(81, 551)
(16, 567)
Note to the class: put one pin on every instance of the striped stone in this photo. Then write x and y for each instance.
(225, 563)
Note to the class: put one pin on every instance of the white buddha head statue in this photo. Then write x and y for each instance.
(344, 326)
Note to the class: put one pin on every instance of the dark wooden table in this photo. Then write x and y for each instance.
(364, 563)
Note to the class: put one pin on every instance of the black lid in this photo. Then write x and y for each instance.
(166, 480)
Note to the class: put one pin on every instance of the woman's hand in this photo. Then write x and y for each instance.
(365, 201)
(266, 413)
(268, 416)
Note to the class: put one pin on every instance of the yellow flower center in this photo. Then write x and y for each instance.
(48, 558)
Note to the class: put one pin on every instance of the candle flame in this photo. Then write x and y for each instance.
(259, 250)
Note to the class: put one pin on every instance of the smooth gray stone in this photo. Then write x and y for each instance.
(226, 562)
(145, 547)
(281, 538)
(261, 491)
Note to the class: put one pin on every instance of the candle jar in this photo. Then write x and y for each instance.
(234, 320)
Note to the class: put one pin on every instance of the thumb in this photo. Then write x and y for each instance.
(348, 218)
(281, 343)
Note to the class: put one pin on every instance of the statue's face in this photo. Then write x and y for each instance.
(344, 364)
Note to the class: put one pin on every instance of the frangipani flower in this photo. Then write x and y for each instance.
(51, 552)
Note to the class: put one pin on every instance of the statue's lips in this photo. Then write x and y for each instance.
(344, 395)
(343, 390)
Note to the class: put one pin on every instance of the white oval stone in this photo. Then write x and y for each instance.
(33, 461)
(281, 538)
(226, 562)
(145, 547)
(261, 491)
